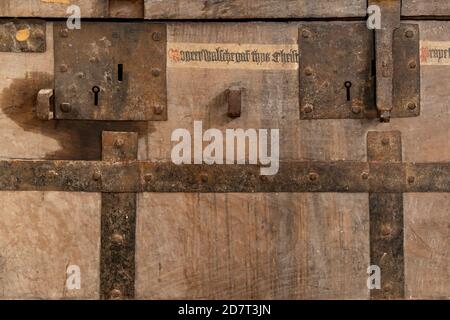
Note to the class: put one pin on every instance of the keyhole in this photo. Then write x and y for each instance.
(95, 90)
(348, 85)
(120, 72)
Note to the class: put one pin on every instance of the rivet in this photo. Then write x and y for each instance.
(409, 33)
(308, 108)
(156, 36)
(118, 143)
(63, 68)
(64, 33)
(356, 109)
(80, 75)
(156, 72)
(412, 106)
(308, 71)
(117, 238)
(116, 294)
(97, 176)
(412, 64)
(148, 177)
(313, 176)
(93, 59)
(65, 107)
(158, 109)
(204, 177)
(365, 175)
(411, 179)
(385, 141)
(386, 229)
(306, 34)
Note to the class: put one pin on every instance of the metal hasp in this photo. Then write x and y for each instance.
(110, 71)
(386, 219)
(339, 80)
(118, 223)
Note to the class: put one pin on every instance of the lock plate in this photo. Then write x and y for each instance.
(110, 71)
(337, 71)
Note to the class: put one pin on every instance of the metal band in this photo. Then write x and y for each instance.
(386, 221)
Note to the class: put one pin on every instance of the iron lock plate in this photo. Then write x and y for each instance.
(110, 71)
(337, 71)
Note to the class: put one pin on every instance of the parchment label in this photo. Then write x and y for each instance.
(435, 53)
(233, 56)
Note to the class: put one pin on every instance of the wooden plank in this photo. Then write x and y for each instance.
(424, 8)
(245, 9)
(427, 246)
(251, 246)
(41, 234)
(52, 8)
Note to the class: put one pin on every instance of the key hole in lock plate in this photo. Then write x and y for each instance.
(95, 90)
(348, 85)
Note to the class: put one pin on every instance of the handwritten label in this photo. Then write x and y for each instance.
(233, 56)
(435, 53)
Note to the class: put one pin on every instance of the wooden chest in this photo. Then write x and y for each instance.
(94, 206)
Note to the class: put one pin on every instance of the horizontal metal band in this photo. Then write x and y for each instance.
(293, 176)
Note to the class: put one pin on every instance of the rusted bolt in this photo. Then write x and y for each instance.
(386, 229)
(63, 67)
(93, 59)
(80, 75)
(411, 179)
(412, 64)
(148, 177)
(306, 33)
(356, 109)
(313, 176)
(385, 141)
(409, 33)
(65, 107)
(308, 108)
(156, 36)
(117, 239)
(97, 176)
(118, 143)
(116, 294)
(64, 33)
(156, 72)
(204, 177)
(308, 71)
(365, 175)
(412, 106)
(158, 109)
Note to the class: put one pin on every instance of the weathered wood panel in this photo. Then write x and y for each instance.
(427, 246)
(52, 8)
(252, 246)
(41, 234)
(270, 100)
(247, 9)
(411, 8)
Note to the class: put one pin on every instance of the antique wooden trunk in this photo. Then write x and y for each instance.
(109, 187)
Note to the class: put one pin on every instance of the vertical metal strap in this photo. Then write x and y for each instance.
(390, 21)
(118, 224)
(386, 220)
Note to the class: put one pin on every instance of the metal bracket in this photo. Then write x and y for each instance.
(111, 71)
(386, 220)
(336, 75)
(118, 224)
